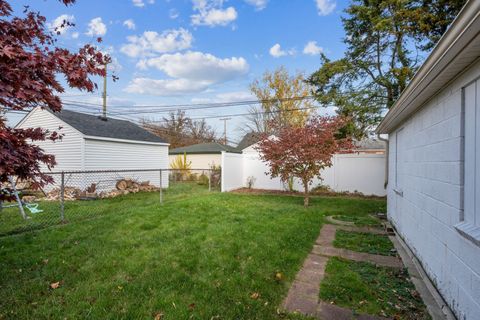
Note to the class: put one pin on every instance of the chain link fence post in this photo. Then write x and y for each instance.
(62, 197)
(209, 180)
(161, 188)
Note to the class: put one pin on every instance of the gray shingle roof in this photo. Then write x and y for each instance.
(369, 144)
(204, 148)
(91, 125)
(248, 139)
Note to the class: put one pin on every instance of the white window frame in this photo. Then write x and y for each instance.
(469, 225)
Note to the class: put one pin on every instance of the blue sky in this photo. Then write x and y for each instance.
(196, 51)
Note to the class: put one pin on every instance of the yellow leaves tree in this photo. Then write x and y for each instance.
(282, 101)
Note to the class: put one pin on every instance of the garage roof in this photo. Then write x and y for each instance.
(91, 125)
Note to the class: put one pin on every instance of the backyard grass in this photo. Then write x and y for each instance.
(364, 242)
(366, 288)
(199, 256)
(11, 221)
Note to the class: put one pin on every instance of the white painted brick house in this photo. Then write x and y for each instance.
(434, 164)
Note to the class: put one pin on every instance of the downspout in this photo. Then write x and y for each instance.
(385, 184)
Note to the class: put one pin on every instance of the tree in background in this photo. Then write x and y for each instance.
(180, 130)
(302, 152)
(386, 42)
(30, 63)
(275, 90)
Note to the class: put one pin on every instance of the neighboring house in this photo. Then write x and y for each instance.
(92, 143)
(372, 146)
(355, 172)
(434, 164)
(202, 155)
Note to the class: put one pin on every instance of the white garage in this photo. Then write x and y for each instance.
(93, 143)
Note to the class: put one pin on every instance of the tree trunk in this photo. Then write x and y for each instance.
(306, 198)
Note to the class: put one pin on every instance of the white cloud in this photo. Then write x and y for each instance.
(325, 7)
(210, 13)
(141, 3)
(60, 24)
(173, 14)
(189, 72)
(161, 87)
(96, 27)
(276, 51)
(152, 42)
(258, 4)
(75, 35)
(130, 24)
(312, 48)
(226, 97)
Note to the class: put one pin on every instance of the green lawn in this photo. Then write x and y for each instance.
(196, 257)
(366, 288)
(11, 221)
(364, 242)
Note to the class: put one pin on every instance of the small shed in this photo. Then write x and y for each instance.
(93, 143)
(203, 155)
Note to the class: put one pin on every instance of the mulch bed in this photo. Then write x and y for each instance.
(299, 194)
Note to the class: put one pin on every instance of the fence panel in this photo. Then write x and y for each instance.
(232, 171)
(79, 195)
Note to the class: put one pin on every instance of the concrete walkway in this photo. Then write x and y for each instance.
(303, 296)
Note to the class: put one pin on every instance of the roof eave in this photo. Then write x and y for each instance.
(457, 49)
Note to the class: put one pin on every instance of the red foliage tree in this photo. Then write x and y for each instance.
(303, 152)
(30, 63)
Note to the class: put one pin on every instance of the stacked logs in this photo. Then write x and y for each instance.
(122, 187)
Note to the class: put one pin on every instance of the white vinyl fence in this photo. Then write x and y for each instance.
(363, 173)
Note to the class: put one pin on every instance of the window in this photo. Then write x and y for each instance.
(470, 221)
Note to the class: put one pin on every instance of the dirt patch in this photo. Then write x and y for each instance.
(299, 194)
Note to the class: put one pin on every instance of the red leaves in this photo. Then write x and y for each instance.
(303, 152)
(29, 65)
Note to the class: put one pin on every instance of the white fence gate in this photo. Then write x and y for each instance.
(363, 173)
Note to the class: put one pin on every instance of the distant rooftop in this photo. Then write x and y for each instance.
(248, 139)
(91, 125)
(204, 148)
(370, 144)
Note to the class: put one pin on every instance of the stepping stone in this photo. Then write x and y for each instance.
(362, 229)
(386, 261)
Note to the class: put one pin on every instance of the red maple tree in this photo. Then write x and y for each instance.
(30, 64)
(302, 152)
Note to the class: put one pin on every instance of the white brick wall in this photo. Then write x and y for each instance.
(431, 151)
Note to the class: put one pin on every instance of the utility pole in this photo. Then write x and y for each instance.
(225, 128)
(104, 113)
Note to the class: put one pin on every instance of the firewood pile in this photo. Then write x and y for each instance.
(122, 187)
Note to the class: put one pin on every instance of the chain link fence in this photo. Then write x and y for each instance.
(80, 195)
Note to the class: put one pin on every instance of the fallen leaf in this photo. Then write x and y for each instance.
(158, 316)
(191, 306)
(45, 261)
(255, 295)
(279, 276)
(55, 285)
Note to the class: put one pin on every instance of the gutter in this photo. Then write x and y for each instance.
(387, 149)
(453, 53)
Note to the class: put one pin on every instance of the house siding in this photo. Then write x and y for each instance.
(68, 150)
(426, 165)
(109, 155)
(200, 161)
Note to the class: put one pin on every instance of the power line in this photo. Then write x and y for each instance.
(186, 107)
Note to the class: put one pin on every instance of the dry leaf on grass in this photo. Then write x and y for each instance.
(255, 295)
(55, 285)
(158, 316)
